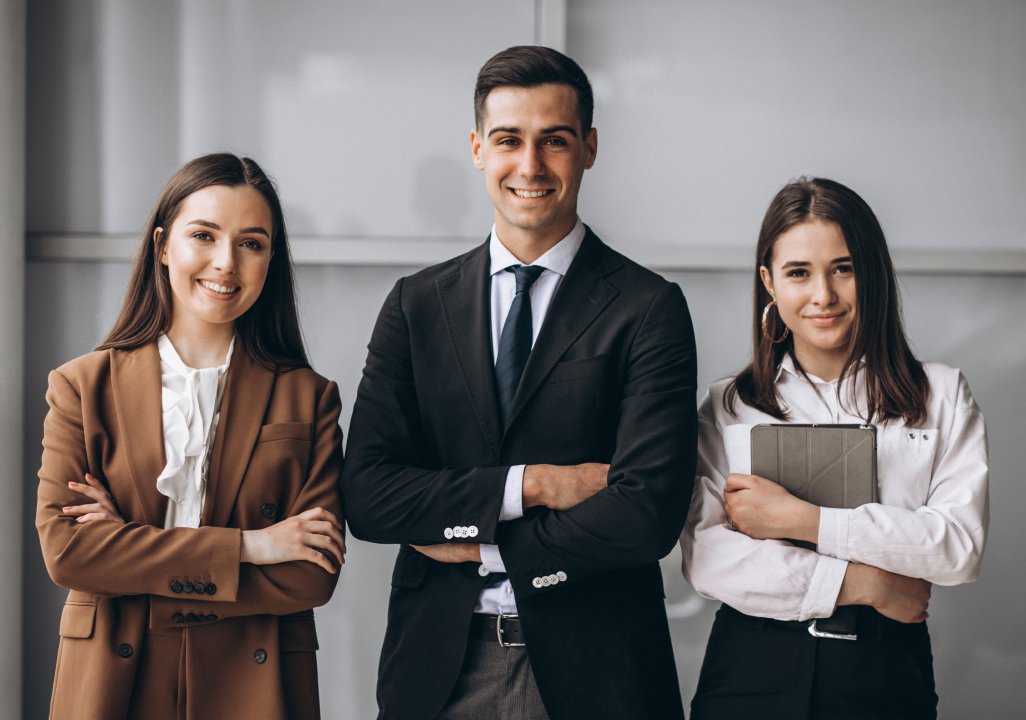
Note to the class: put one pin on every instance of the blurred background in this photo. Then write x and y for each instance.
(362, 111)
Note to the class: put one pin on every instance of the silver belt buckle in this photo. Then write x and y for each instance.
(499, 631)
(833, 636)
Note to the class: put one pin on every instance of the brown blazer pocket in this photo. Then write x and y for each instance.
(579, 369)
(77, 620)
(286, 431)
(297, 633)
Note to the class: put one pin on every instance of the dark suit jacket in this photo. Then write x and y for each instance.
(611, 379)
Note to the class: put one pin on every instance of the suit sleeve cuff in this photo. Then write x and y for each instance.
(833, 533)
(821, 598)
(491, 559)
(513, 496)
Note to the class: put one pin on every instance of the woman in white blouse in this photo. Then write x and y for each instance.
(187, 493)
(830, 348)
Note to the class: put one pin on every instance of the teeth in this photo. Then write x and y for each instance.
(531, 193)
(218, 288)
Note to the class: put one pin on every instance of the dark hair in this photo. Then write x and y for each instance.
(269, 331)
(528, 66)
(896, 384)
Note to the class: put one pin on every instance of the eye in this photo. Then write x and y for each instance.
(797, 272)
(555, 141)
(202, 236)
(508, 141)
(844, 269)
(252, 244)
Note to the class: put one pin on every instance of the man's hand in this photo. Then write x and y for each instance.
(900, 598)
(561, 487)
(763, 510)
(451, 552)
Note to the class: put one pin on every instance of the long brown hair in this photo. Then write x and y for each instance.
(896, 384)
(269, 331)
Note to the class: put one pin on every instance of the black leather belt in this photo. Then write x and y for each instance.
(849, 622)
(503, 629)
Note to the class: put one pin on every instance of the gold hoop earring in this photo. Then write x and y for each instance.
(765, 327)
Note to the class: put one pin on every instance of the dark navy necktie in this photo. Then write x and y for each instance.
(515, 341)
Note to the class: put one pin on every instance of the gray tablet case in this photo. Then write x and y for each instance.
(827, 465)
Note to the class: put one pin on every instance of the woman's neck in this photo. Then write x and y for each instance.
(824, 364)
(201, 344)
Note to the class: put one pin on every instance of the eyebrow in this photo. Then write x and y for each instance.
(544, 131)
(245, 231)
(803, 263)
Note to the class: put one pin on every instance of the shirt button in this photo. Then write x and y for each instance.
(472, 531)
(125, 650)
(268, 510)
(537, 582)
(176, 587)
(509, 589)
(482, 571)
(260, 656)
(448, 533)
(561, 575)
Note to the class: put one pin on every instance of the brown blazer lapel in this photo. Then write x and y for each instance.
(135, 380)
(246, 396)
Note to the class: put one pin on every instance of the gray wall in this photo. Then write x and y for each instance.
(362, 110)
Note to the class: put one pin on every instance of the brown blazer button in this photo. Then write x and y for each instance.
(191, 617)
(176, 587)
(268, 510)
(178, 617)
(200, 617)
(199, 588)
(187, 587)
(211, 618)
(211, 588)
(260, 656)
(125, 650)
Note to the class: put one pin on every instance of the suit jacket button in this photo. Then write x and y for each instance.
(176, 587)
(178, 617)
(553, 579)
(199, 588)
(545, 580)
(537, 582)
(211, 618)
(448, 533)
(211, 588)
(472, 531)
(187, 587)
(125, 650)
(268, 510)
(191, 617)
(482, 571)
(260, 656)
(561, 576)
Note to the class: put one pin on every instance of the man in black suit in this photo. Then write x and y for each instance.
(525, 430)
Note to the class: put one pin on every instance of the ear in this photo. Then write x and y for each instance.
(475, 149)
(591, 148)
(767, 280)
(157, 233)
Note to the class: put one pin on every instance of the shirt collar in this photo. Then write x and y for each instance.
(787, 365)
(557, 259)
(169, 355)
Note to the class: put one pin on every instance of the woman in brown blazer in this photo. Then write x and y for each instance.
(187, 490)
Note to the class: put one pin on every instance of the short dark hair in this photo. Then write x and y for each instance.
(269, 330)
(528, 66)
(896, 384)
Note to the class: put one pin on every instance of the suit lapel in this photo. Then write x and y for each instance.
(135, 381)
(247, 393)
(581, 297)
(466, 305)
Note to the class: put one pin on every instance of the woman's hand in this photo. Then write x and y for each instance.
(300, 537)
(764, 510)
(104, 507)
(451, 552)
(898, 597)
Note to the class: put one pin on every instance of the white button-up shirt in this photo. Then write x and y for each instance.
(930, 523)
(500, 600)
(191, 404)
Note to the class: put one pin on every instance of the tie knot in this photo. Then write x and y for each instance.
(525, 275)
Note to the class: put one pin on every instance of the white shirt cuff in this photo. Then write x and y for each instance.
(491, 559)
(513, 495)
(821, 598)
(833, 533)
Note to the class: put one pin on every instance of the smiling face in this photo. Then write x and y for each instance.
(217, 252)
(813, 282)
(531, 149)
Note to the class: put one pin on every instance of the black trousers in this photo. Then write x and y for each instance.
(766, 669)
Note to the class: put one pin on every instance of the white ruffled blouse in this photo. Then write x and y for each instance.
(191, 403)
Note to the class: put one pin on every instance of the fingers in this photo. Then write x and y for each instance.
(89, 517)
(82, 509)
(325, 542)
(318, 558)
(736, 482)
(320, 514)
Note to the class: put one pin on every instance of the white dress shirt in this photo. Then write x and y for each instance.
(500, 600)
(930, 523)
(191, 403)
